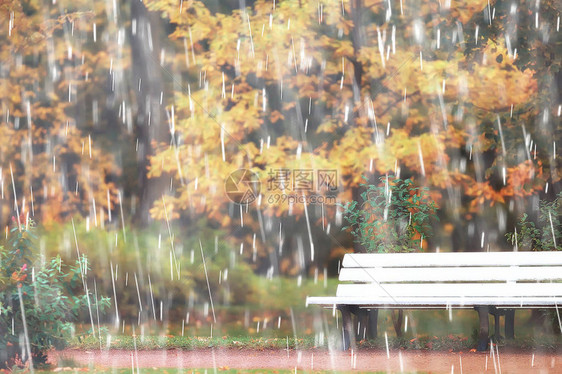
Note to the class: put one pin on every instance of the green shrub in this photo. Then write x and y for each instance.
(394, 216)
(543, 235)
(178, 283)
(38, 301)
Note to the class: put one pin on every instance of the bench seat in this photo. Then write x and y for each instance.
(490, 282)
(432, 303)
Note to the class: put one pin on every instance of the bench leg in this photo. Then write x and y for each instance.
(362, 319)
(372, 330)
(510, 324)
(348, 335)
(484, 327)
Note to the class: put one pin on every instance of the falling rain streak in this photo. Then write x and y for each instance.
(274, 137)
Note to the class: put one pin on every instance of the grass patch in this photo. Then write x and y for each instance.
(453, 343)
(191, 342)
(457, 343)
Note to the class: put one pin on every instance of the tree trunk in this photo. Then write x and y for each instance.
(397, 320)
(147, 82)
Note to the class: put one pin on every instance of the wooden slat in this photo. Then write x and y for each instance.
(437, 303)
(443, 290)
(550, 258)
(389, 280)
(452, 274)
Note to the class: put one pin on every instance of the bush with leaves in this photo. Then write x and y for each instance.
(38, 301)
(543, 235)
(394, 216)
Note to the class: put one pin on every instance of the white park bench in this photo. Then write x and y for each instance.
(490, 282)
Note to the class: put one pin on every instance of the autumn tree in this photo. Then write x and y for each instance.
(435, 91)
(61, 77)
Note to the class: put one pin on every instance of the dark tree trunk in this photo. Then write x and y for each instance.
(149, 124)
(397, 320)
(357, 42)
(356, 8)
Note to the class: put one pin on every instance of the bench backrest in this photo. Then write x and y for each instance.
(470, 274)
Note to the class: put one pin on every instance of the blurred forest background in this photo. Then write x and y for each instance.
(121, 121)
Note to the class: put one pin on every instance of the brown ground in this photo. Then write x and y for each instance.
(372, 360)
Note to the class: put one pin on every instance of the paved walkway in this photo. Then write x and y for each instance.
(372, 360)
